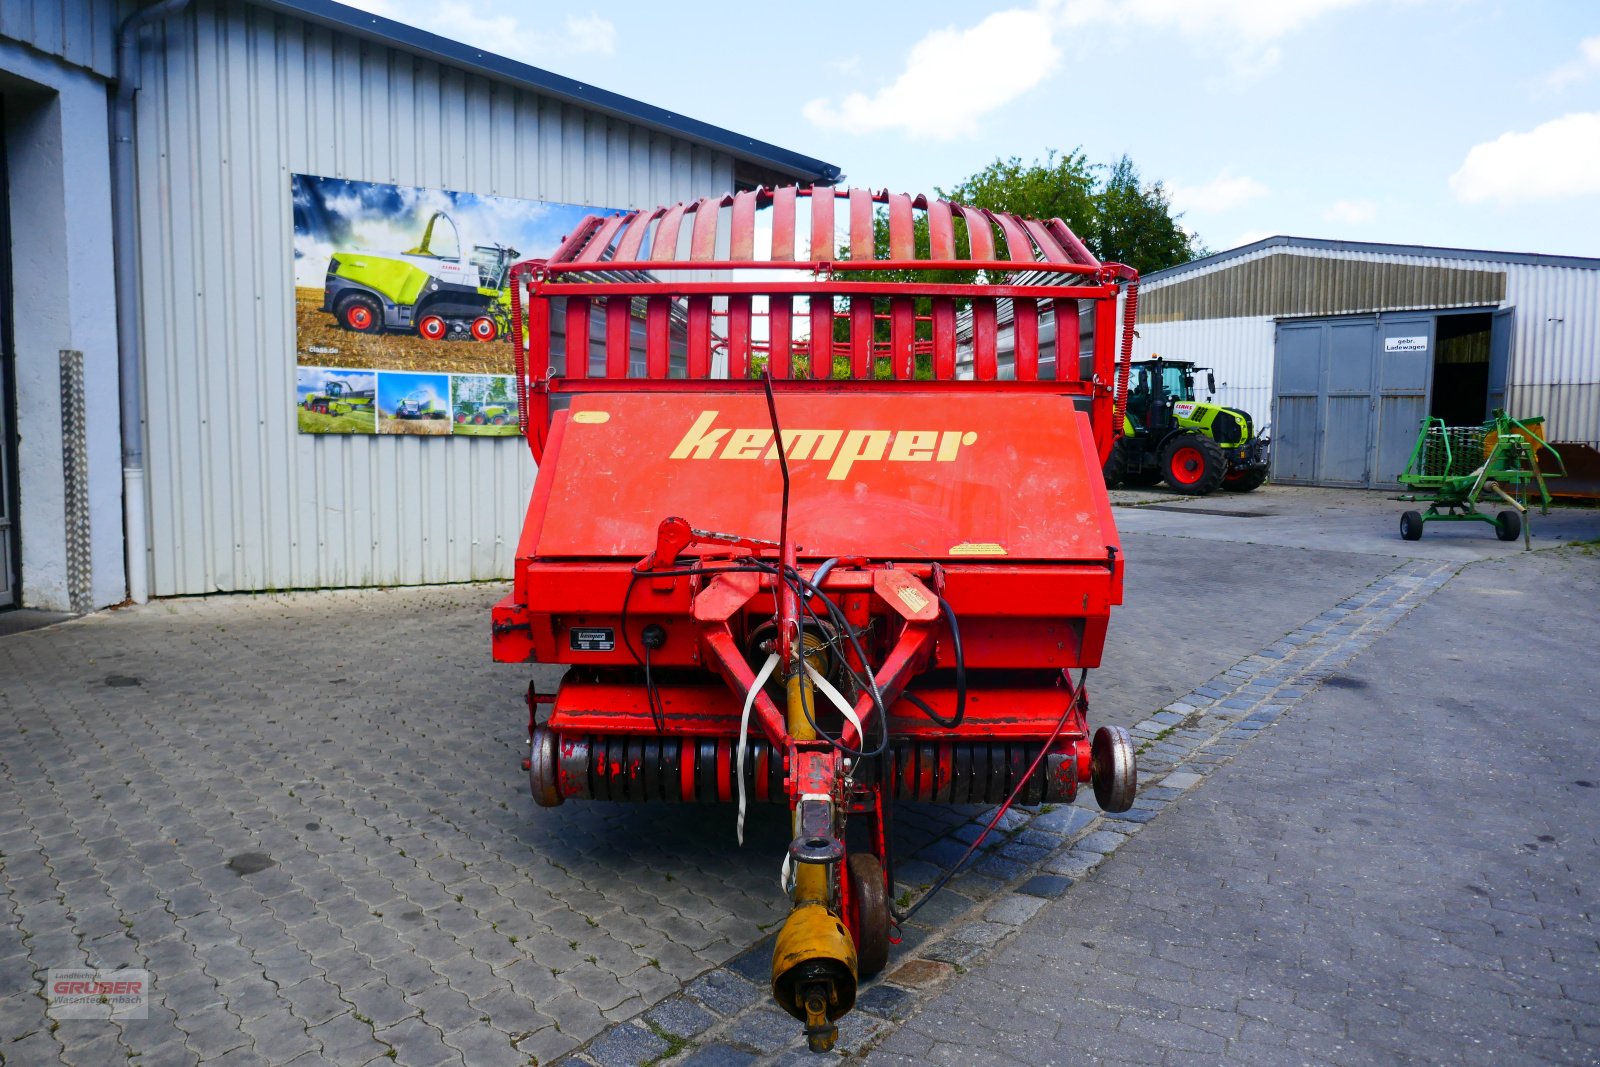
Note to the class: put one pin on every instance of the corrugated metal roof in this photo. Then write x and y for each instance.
(782, 161)
(1298, 284)
(1320, 244)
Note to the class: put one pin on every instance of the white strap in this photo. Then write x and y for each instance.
(744, 729)
(838, 701)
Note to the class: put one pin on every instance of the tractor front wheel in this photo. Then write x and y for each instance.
(1245, 481)
(1192, 464)
(1116, 465)
(1508, 525)
(1411, 526)
(868, 913)
(361, 313)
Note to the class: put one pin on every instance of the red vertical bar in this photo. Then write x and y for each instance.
(861, 337)
(1025, 339)
(783, 223)
(821, 227)
(1066, 340)
(656, 317)
(902, 332)
(944, 338)
(699, 337)
(738, 337)
(618, 327)
(983, 331)
(821, 335)
(902, 242)
(780, 329)
(533, 407)
(941, 231)
(578, 337)
(742, 240)
(861, 236)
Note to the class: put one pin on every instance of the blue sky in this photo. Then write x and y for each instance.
(1468, 123)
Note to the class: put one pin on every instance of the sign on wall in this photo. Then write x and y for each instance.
(403, 304)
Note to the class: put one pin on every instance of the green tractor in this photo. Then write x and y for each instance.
(1169, 436)
(432, 293)
(420, 404)
(338, 398)
(484, 414)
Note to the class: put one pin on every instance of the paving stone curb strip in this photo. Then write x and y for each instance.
(724, 1018)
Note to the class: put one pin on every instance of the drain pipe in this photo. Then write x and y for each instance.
(125, 230)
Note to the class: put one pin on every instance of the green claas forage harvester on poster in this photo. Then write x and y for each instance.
(337, 398)
(439, 296)
(1169, 436)
(420, 404)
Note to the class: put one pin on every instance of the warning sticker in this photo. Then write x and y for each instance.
(593, 639)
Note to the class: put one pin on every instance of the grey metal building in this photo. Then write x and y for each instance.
(1345, 346)
(214, 488)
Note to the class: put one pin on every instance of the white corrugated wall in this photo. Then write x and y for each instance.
(1555, 351)
(232, 103)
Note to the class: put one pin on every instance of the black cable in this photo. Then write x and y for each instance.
(961, 676)
(939, 883)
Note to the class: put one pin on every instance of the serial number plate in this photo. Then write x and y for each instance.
(594, 639)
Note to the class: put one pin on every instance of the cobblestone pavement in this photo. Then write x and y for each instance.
(1400, 870)
(361, 751)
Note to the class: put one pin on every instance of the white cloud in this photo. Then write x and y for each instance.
(1222, 193)
(1581, 69)
(1559, 158)
(519, 36)
(952, 77)
(1353, 212)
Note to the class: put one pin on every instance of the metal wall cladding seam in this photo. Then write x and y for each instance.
(233, 103)
(81, 32)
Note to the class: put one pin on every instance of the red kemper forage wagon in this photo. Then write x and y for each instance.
(803, 539)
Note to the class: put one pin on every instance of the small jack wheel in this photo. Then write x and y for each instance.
(1411, 526)
(868, 913)
(1508, 525)
(1112, 769)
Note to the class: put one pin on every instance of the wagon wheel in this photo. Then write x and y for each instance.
(1508, 525)
(867, 915)
(1411, 526)
(1113, 769)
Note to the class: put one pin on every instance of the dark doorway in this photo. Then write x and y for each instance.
(1461, 368)
(10, 543)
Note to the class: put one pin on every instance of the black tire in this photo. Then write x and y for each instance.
(361, 313)
(1411, 526)
(869, 908)
(1247, 481)
(1508, 525)
(1116, 465)
(1193, 464)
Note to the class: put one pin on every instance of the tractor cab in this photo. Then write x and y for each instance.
(494, 264)
(1156, 386)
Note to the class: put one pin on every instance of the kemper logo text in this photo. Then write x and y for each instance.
(842, 449)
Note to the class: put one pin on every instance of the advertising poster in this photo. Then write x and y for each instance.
(403, 304)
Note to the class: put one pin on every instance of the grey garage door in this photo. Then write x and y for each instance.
(1349, 394)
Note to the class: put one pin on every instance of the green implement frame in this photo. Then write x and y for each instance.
(1453, 468)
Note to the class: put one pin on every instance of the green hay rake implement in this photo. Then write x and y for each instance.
(1453, 468)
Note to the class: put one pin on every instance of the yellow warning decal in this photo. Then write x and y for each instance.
(911, 598)
(591, 416)
(977, 548)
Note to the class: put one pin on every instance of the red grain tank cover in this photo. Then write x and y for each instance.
(950, 475)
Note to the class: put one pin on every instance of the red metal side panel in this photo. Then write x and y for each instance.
(578, 310)
(958, 474)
